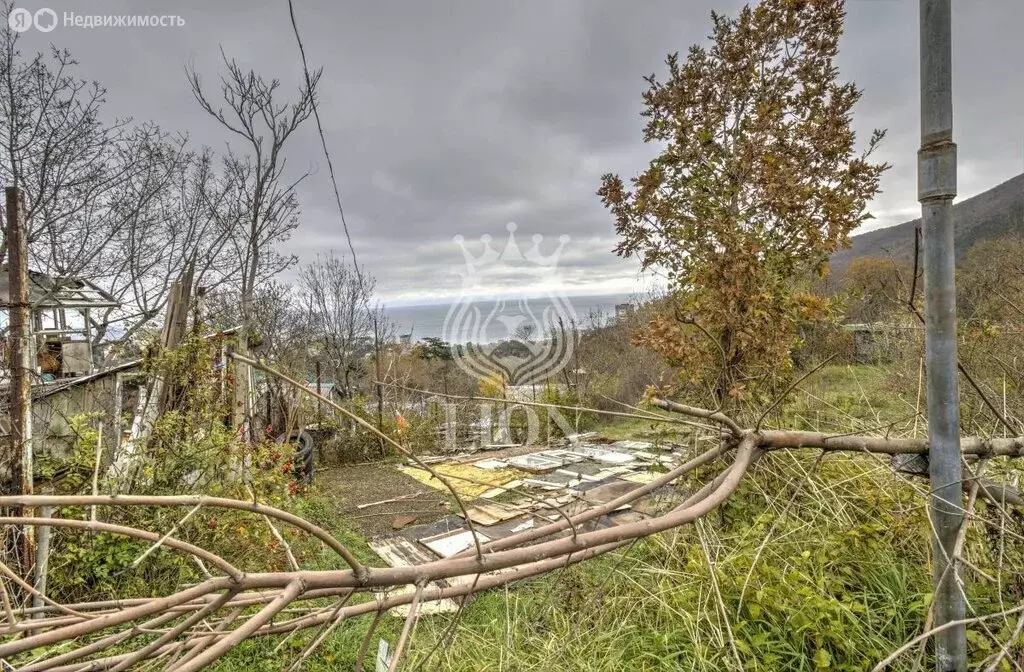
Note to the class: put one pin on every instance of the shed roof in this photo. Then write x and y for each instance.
(45, 291)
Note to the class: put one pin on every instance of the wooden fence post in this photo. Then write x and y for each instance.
(21, 360)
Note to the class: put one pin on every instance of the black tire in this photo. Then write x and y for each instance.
(303, 459)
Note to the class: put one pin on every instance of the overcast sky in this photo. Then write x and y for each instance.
(448, 118)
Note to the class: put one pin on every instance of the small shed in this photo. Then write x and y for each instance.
(61, 322)
(108, 397)
(878, 342)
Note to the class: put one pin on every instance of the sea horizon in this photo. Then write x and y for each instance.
(426, 320)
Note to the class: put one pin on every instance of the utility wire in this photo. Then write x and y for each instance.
(323, 143)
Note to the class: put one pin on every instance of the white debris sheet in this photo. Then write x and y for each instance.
(490, 464)
(602, 455)
(447, 545)
(535, 463)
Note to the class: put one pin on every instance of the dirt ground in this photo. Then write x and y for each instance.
(350, 486)
(353, 485)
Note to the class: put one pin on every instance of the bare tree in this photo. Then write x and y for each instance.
(186, 224)
(68, 163)
(337, 298)
(264, 201)
(285, 333)
(125, 206)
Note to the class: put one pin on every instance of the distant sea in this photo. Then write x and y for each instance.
(427, 320)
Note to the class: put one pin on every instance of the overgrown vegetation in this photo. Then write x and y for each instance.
(189, 449)
(818, 561)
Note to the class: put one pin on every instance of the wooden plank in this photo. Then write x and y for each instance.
(490, 513)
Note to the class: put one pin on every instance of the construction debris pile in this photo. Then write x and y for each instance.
(506, 494)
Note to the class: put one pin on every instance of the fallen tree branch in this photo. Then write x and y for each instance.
(694, 412)
(523, 555)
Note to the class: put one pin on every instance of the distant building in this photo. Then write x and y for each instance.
(624, 310)
(879, 342)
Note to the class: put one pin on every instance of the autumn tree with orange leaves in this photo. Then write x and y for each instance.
(759, 181)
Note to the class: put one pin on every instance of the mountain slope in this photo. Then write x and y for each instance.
(991, 214)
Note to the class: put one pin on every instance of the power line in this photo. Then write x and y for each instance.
(323, 144)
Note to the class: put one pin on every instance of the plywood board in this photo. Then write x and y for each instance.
(640, 476)
(466, 479)
(399, 552)
(490, 513)
(608, 492)
(480, 517)
(494, 492)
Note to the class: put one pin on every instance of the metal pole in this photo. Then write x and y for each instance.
(936, 190)
(319, 404)
(378, 388)
(21, 356)
(43, 560)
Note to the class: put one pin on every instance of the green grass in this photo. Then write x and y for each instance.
(647, 430)
(839, 398)
(814, 564)
(847, 398)
(834, 586)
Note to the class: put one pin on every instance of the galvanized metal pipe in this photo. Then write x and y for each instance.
(936, 190)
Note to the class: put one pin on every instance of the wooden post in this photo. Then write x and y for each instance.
(20, 347)
(88, 339)
(270, 412)
(200, 306)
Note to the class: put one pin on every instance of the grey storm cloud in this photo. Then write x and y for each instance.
(456, 117)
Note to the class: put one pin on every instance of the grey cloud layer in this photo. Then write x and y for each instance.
(457, 117)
